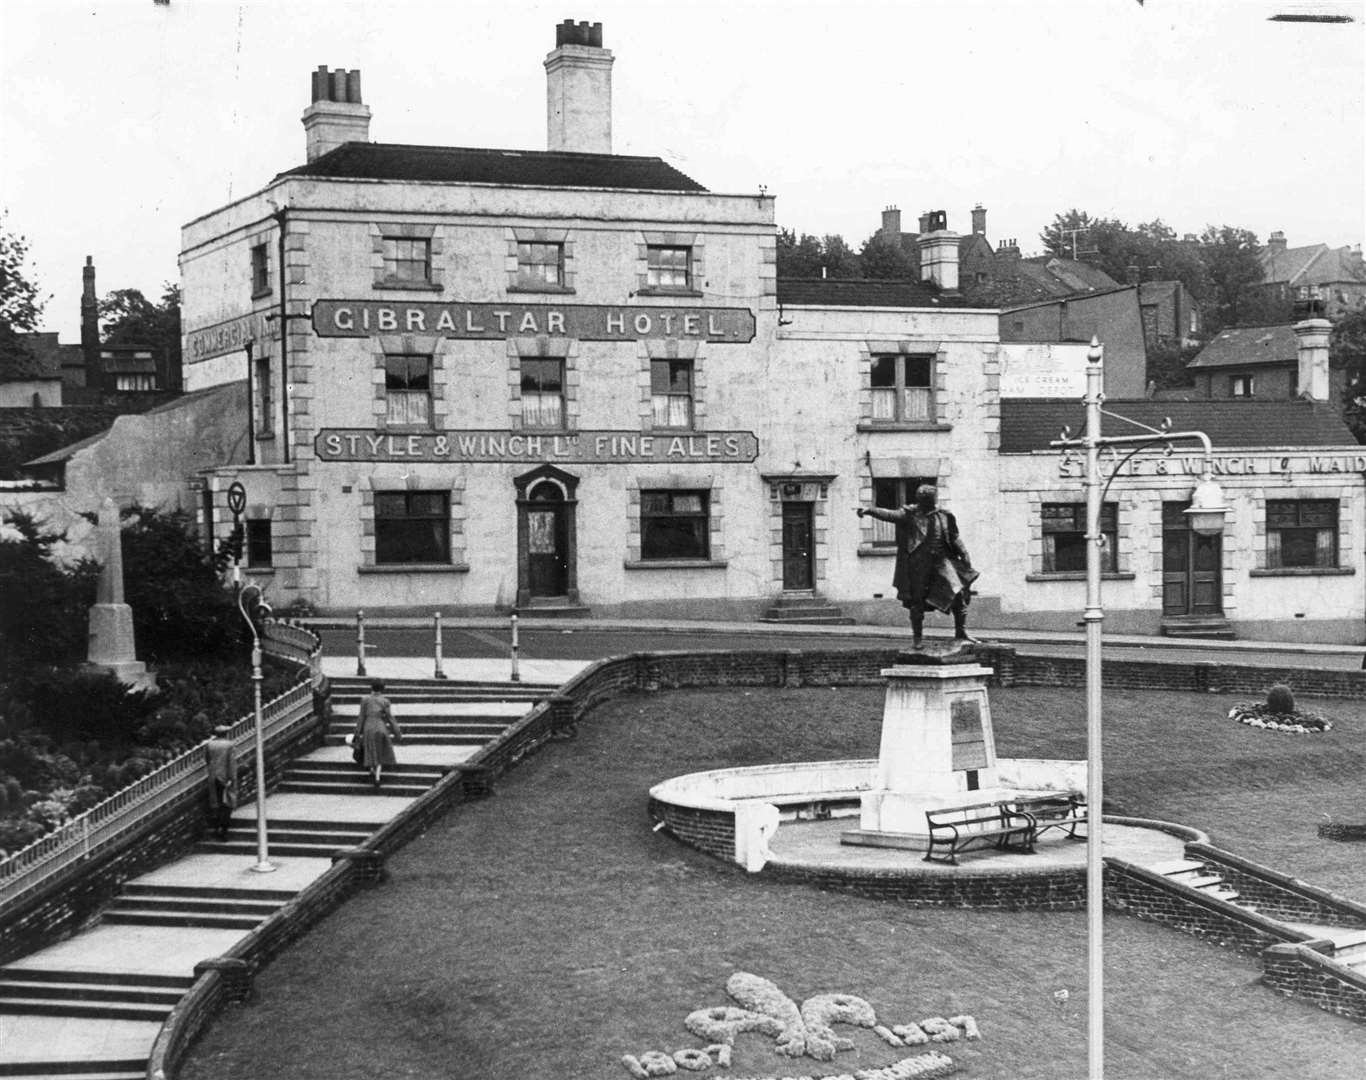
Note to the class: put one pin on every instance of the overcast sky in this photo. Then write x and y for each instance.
(121, 120)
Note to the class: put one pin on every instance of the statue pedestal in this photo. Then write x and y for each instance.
(938, 748)
(112, 648)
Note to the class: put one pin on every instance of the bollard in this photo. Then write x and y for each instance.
(516, 675)
(360, 642)
(439, 673)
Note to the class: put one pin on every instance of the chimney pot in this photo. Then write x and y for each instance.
(353, 86)
(336, 114)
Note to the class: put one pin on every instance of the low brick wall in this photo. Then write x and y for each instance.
(1279, 895)
(712, 831)
(1028, 890)
(1300, 971)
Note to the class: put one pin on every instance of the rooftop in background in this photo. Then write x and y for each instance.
(1240, 346)
(865, 292)
(519, 168)
(1029, 424)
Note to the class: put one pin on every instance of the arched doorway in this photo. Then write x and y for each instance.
(546, 557)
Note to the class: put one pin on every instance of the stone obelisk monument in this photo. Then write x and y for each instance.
(111, 620)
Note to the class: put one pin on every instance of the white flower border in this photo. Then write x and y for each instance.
(1251, 713)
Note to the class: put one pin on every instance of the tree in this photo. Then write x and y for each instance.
(1230, 255)
(809, 256)
(886, 260)
(1347, 353)
(21, 302)
(129, 318)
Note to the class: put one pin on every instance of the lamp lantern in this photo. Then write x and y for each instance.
(1207, 508)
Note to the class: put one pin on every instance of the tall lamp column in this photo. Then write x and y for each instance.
(237, 503)
(1206, 516)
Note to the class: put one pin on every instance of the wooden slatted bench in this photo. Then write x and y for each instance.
(1064, 810)
(989, 824)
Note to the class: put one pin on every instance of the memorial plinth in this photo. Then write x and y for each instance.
(938, 748)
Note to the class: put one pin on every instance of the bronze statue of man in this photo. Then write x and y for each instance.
(932, 566)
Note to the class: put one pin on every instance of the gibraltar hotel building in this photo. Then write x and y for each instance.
(481, 379)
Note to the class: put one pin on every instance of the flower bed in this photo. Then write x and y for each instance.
(1259, 714)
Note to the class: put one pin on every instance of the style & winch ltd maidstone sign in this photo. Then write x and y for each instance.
(585, 322)
(578, 448)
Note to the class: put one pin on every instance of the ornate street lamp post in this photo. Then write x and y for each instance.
(1206, 516)
(237, 502)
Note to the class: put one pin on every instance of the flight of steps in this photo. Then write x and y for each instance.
(291, 836)
(99, 995)
(346, 778)
(438, 712)
(190, 905)
(805, 608)
(1199, 876)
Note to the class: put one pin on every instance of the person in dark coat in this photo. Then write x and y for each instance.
(932, 566)
(376, 732)
(220, 758)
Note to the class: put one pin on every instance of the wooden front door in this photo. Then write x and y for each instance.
(798, 543)
(547, 541)
(1191, 579)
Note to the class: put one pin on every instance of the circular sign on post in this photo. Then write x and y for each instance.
(237, 498)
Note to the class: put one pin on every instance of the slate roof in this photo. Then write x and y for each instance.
(44, 359)
(1032, 423)
(865, 292)
(1240, 346)
(1078, 296)
(1289, 264)
(525, 168)
(1317, 264)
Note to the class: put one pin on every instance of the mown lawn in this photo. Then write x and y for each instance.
(547, 931)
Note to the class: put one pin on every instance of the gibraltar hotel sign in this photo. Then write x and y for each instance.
(481, 321)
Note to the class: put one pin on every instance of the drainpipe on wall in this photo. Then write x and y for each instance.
(251, 404)
(281, 220)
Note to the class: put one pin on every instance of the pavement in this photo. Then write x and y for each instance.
(29, 1040)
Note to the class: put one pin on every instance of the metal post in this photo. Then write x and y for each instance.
(360, 642)
(516, 675)
(1095, 897)
(263, 863)
(439, 673)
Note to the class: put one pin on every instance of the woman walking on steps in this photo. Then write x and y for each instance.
(374, 748)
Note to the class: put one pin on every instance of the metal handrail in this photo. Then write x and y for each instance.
(105, 823)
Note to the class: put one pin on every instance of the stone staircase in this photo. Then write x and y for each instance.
(89, 995)
(805, 608)
(1199, 876)
(188, 905)
(1349, 943)
(293, 836)
(346, 778)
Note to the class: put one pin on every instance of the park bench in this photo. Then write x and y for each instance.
(1063, 810)
(990, 824)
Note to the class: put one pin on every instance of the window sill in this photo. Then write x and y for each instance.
(415, 568)
(265, 436)
(259, 571)
(876, 551)
(654, 290)
(1079, 575)
(556, 290)
(260, 294)
(898, 425)
(676, 564)
(1305, 571)
(408, 286)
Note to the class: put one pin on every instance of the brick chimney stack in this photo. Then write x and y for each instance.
(979, 220)
(891, 225)
(336, 115)
(1276, 242)
(578, 78)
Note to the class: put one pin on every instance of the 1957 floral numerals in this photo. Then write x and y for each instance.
(763, 1008)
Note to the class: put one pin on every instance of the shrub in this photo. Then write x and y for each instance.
(1281, 699)
(44, 608)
